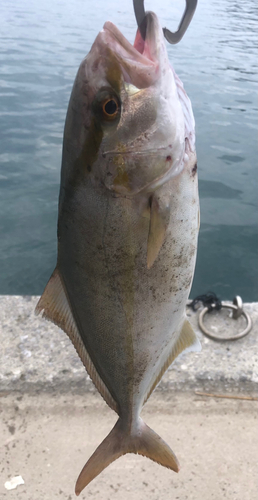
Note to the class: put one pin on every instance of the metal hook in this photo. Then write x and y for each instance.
(169, 35)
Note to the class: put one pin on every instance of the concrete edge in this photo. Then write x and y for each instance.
(37, 356)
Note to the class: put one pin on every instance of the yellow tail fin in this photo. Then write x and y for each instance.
(120, 441)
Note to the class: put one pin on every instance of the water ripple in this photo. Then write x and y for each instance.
(41, 47)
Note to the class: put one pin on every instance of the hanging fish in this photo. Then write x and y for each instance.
(127, 231)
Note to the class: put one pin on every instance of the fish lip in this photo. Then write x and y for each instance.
(142, 50)
(110, 29)
(141, 64)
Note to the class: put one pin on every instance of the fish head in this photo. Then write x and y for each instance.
(125, 125)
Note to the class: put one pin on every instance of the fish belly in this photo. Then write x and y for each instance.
(128, 316)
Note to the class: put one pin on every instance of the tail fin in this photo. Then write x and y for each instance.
(119, 442)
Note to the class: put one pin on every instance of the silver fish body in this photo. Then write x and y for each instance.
(127, 231)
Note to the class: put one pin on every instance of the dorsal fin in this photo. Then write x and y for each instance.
(56, 307)
(187, 341)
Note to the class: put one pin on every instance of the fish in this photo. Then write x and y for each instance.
(128, 224)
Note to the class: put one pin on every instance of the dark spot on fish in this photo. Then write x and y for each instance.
(11, 429)
(109, 174)
(194, 170)
(168, 158)
(89, 168)
(87, 157)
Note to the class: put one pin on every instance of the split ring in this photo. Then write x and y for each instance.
(237, 311)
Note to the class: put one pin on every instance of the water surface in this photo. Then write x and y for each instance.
(41, 47)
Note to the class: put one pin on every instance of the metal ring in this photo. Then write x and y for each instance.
(237, 301)
(232, 337)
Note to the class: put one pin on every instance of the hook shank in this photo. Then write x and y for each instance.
(171, 37)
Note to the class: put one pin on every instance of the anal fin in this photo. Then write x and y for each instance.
(188, 342)
(56, 307)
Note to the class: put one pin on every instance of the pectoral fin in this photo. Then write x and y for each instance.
(159, 219)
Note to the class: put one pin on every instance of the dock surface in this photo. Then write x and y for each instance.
(52, 418)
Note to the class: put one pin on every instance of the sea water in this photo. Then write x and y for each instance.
(41, 47)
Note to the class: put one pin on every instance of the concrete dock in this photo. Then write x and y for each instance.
(52, 419)
(35, 354)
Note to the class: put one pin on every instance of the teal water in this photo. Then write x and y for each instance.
(41, 47)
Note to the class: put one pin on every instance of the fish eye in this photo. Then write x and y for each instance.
(110, 108)
(106, 107)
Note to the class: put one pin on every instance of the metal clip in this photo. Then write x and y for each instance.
(171, 37)
(237, 308)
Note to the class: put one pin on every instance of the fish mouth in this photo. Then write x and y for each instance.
(140, 62)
